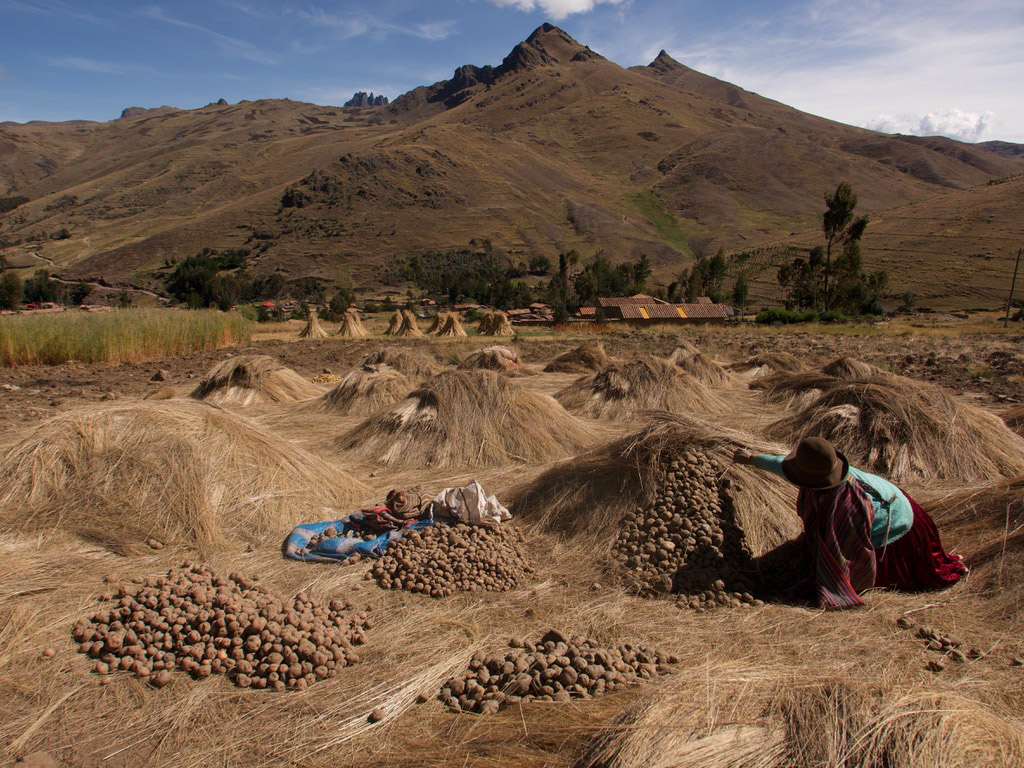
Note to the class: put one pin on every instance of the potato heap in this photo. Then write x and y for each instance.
(949, 646)
(554, 669)
(687, 542)
(441, 559)
(203, 623)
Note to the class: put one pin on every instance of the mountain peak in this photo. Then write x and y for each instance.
(547, 45)
(665, 63)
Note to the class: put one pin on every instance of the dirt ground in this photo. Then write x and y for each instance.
(731, 658)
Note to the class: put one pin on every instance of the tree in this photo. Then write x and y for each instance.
(785, 277)
(642, 272)
(840, 228)
(39, 288)
(739, 292)
(10, 290)
(79, 292)
(540, 265)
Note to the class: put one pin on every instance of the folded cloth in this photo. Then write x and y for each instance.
(297, 546)
(469, 504)
(407, 504)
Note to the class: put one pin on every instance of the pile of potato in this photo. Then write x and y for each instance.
(441, 559)
(949, 646)
(687, 542)
(555, 669)
(204, 624)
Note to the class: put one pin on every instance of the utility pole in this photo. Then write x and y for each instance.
(1013, 284)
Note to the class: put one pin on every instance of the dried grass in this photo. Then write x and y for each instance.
(466, 419)
(850, 368)
(1014, 419)
(587, 357)
(437, 323)
(184, 472)
(767, 363)
(246, 380)
(908, 430)
(648, 383)
(590, 493)
(394, 324)
(500, 326)
(416, 365)
(701, 367)
(352, 326)
(486, 321)
(363, 391)
(313, 329)
(408, 326)
(452, 327)
(493, 358)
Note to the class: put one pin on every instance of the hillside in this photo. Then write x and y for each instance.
(555, 147)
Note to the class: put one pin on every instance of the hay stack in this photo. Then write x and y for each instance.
(772, 722)
(500, 326)
(486, 321)
(701, 367)
(493, 358)
(768, 363)
(437, 323)
(313, 329)
(414, 364)
(452, 327)
(851, 369)
(587, 357)
(394, 324)
(363, 391)
(352, 326)
(182, 472)
(623, 390)
(908, 430)
(1014, 419)
(253, 379)
(408, 326)
(468, 418)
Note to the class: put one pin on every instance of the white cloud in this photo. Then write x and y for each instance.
(556, 9)
(230, 45)
(83, 64)
(954, 123)
(355, 25)
(6, 76)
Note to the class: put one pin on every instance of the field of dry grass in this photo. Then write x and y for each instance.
(85, 483)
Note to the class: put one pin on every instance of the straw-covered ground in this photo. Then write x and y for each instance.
(99, 486)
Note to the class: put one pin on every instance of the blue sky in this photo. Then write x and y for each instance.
(928, 66)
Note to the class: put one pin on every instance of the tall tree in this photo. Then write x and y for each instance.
(739, 292)
(840, 228)
(10, 290)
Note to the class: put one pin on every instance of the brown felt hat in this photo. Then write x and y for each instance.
(814, 463)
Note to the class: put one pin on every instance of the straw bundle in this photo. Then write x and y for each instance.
(589, 356)
(313, 329)
(701, 367)
(493, 358)
(851, 368)
(486, 322)
(408, 326)
(591, 493)
(412, 363)
(181, 471)
(468, 418)
(623, 390)
(352, 326)
(253, 379)
(908, 430)
(772, 723)
(500, 326)
(1014, 419)
(437, 323)
(768, 363)
(363, 391)
(452, 326)
(394, 324)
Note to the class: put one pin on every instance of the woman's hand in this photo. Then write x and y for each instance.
(743, 456)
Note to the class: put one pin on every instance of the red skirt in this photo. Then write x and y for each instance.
(916, 561)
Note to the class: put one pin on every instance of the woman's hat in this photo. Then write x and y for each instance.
(814, 463)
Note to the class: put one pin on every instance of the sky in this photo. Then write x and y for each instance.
(910, 66)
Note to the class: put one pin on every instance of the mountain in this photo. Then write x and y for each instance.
(556, 147)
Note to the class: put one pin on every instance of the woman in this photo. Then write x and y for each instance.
(862, 530)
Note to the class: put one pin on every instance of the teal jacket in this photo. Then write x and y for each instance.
(893, 513)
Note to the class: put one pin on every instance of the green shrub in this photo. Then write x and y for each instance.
(786, 316)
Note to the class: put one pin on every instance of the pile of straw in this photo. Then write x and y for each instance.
(623, 390)
(414, 364)
(493, 358)
(452, 326)
(408, 326)
(587, 357)
(486, 321)
(1014, 419)
(363, 391)
(394, 324)
(313, 329)
(183, 472)
(908, 430)
(591, 493)
(766, 723)
(437, 323)
(253, 379)
(464, 419)
(768, 363)
(352, 326)
(701, 367)
(499, 325)
(851, 369)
